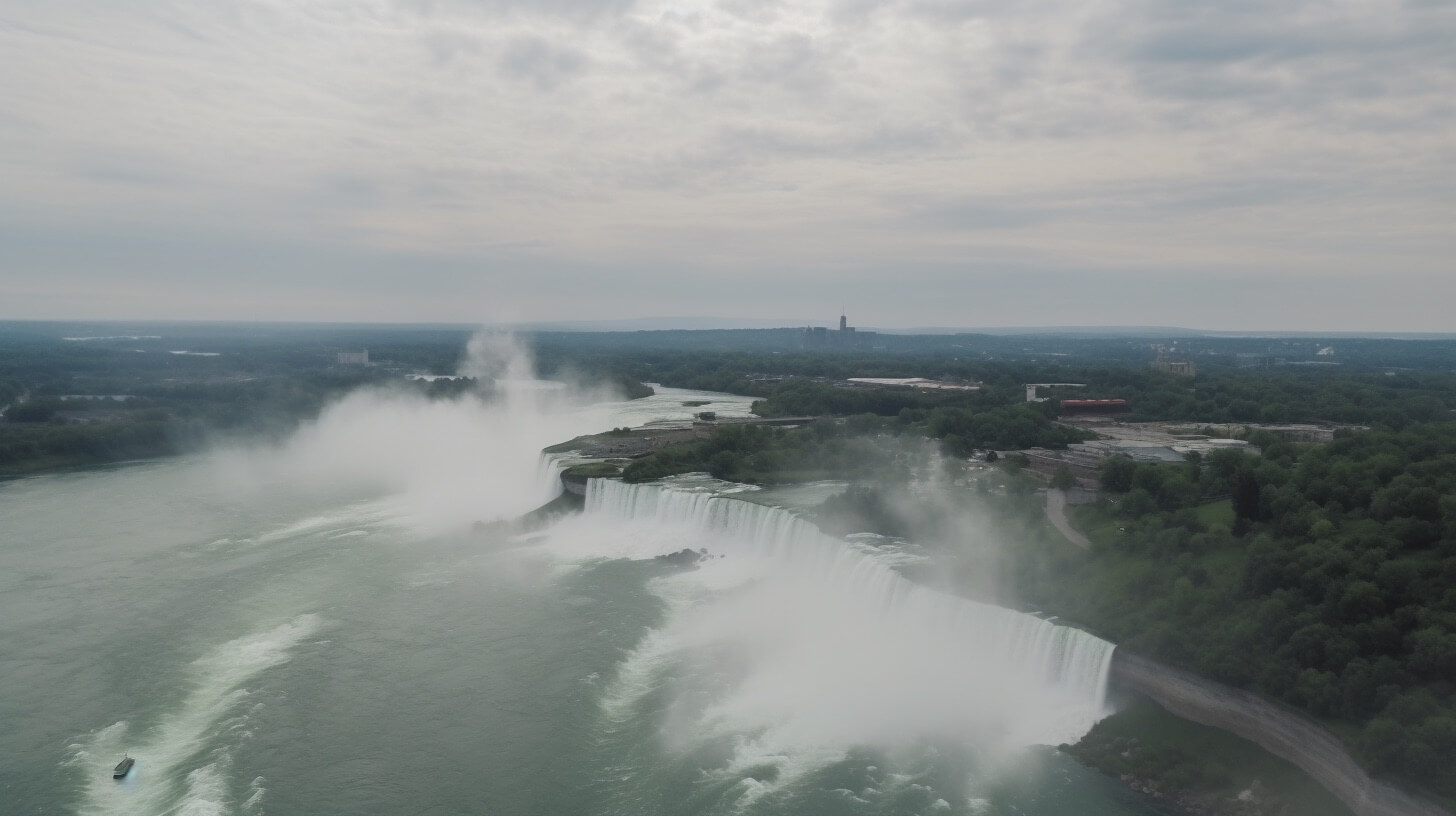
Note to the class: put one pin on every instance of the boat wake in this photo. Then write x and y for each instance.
(183, 758)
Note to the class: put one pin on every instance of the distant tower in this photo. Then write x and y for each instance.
(843, 322)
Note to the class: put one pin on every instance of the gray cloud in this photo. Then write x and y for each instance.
(446, 9)
(1297, 56)
(426, 154)
(542, 63)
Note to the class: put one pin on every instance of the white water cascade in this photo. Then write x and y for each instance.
(846, 651)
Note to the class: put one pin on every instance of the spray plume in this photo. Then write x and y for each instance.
(444, 463)
(797, 648)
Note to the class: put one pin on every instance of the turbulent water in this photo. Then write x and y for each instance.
(317, 629)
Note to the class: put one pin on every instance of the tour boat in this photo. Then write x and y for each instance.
(123, 768)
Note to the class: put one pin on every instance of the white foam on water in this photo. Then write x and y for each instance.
(207, 711)
(351, 534)
(797, 647)
(640, 673)
(253, 805)
(754, 755)
(206, 793)
(347, 520)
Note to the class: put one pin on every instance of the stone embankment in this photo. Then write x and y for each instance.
(1277, 730)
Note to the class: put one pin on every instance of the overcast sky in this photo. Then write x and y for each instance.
(1224, 165)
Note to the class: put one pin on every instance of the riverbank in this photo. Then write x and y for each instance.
(1282, 732)
(1198, 770)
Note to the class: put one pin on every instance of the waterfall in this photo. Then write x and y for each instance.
(943, 658)
(548, 474)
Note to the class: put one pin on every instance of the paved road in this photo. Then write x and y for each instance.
(1056, 513)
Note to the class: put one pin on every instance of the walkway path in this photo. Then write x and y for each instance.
(1056, 513)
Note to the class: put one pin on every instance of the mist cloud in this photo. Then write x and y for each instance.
(442, 464)
(793, 649)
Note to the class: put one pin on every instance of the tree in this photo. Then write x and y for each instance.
(1246, 497)
(1115, 474)
(723, 465)
(1177, 491)
(1063, 479)
(1138, 504)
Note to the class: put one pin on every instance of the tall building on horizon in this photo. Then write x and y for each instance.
(847, 336)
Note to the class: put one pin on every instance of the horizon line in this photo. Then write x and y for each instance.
(623, 326)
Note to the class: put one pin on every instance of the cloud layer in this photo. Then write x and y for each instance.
(960, 162)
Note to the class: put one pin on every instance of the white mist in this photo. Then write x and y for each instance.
(440, 464)
(799, 648)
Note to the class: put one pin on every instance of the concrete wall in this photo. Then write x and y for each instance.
(1276, 729)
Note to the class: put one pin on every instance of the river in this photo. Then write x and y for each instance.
(318, 628)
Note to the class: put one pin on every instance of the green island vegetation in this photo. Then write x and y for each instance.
(592, 470)
(755, 454)
(847, 447)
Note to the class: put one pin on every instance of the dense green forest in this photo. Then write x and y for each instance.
(1326, 579)
(1338, 395)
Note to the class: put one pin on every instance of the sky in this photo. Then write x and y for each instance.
(1231, 165)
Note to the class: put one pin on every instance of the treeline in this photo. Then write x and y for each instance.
(756, 454)
(160, 419)
(964, 421)
(1150, 487)
(1327, 580)
(232, 381)
(808, 398)
(1012, 427)
(797, 382)
(1282, 395)
(1130, 349)
(828, 449)
(26, 448)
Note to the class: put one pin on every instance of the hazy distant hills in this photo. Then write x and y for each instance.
(722, 323)
(657, 324)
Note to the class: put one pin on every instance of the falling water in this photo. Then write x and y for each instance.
(929, 658)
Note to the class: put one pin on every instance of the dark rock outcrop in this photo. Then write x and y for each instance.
(682, 558)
